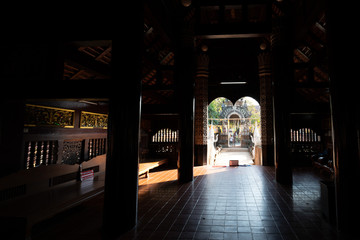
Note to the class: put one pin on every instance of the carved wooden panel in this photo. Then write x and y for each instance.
(201, 110)
(72, 152)
(40, 153)
(93, 120)
(36, 116)
(96, 147)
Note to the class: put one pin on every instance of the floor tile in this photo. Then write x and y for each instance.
(221, 203)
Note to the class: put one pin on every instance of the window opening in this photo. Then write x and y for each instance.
(304, 135)
(165, 135)
(233, 128)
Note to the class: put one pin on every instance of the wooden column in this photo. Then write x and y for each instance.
(184, 60)
(266, 105)
(122, 159)
(201, 111)
(11, 136)
(282, 76)
(30, 69)
(345, 114)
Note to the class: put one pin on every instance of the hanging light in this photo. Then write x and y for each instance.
(263, 46)
(204, 48)
(186, 3)
(232, 83)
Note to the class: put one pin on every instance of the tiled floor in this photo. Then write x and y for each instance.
(231, 203)
(221, 203)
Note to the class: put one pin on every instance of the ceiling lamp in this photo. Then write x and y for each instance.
(204, 48)
(263, 46)
(232, 83)
(186, 3)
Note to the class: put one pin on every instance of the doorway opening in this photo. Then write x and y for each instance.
(233, 131)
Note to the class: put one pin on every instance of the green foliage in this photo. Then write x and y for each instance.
(215, 108)
(255, 114)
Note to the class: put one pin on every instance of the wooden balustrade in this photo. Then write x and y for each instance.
(40, 152)
(97, 147)
(304, 135)
(165, 135)
(73, 151)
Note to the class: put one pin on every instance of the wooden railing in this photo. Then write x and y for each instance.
(31, 196)
(40, 152)
(97, 147)
(68, 151)
(304, 135)
(165, 135)
(164, 144)
(305, 142)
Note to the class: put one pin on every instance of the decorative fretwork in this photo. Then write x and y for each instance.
(201, 99)
(72, 152)
(266, 94)
(93, 120)
(97, 147)
(36, 116)
(304, 135)
(40, 153)
(242, 111)
(165, 135)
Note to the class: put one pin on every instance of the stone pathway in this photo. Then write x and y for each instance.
(241, 154)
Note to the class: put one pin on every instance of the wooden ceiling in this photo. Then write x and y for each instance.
(215, 20)
(87, 61)
(158, 63)
(311, 63)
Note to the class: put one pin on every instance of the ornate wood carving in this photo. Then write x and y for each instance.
(96, 147)
(36, 116)
(72, 152)
(265, 77)
(201, 99)
(93, 120)
(40, 152)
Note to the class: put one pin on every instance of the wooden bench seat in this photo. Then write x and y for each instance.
(48, 190)
(145, 167)
(44, 205)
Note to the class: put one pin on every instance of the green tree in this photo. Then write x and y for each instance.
(215, 107)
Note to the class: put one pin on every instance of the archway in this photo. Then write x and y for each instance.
(234, 128)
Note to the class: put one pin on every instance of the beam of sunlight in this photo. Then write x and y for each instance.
(171, 175)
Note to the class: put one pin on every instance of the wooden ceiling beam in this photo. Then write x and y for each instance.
(229, 2)
(83, 69)
(159, 23)
(91, 43)
(154, 95)
(159, 87)
(238, 30)
(159, 109)
(73, 55)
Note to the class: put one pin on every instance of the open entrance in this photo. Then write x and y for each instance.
(234, 131)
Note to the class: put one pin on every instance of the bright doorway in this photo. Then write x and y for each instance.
(233, 131)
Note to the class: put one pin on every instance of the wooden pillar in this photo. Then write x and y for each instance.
(266, 105)
(282, 65)
(345, 114)
(11, 136)
(184, 61)
(30, 70)
(201, 111)
(122, 159)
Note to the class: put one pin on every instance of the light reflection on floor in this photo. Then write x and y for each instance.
(171, 174)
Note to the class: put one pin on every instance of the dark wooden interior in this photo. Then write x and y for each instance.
(92, 93)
